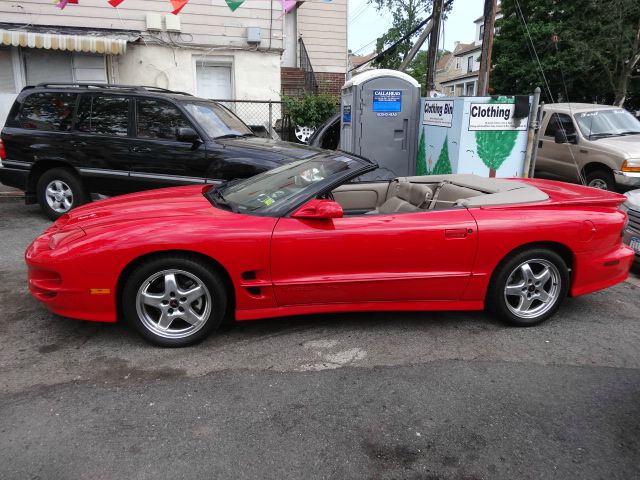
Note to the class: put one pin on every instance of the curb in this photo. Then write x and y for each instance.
(17, 195)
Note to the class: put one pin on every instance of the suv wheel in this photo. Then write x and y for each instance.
(59, 190)
(601, 179)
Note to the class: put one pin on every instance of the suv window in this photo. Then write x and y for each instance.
(48, 111)
(158, 120)
(108, 115)
(559, 121)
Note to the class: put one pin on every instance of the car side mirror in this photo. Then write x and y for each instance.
(320, 209)
(187, 134)
(563, 137)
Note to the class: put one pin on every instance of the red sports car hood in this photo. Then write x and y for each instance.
(163, 203)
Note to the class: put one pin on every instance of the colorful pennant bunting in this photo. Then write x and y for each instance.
(288, 5)
(115, 3)
(233, 4)
(178, 5)
(63, 3)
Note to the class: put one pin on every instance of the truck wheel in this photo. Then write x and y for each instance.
(58, 191)
(528, 287)
(601, 179)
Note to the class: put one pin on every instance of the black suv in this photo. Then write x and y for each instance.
(62, 142)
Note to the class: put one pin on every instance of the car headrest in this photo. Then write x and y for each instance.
(420, 194)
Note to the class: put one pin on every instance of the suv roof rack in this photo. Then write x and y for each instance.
(136, 88)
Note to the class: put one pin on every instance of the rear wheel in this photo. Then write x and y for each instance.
(528, 287)
(59, 190)
(175, 301)
(601, 179)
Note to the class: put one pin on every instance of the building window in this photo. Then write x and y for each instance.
(457, 64)
(470, 64)
(52, 66)
(481, 32)
(7, 74)
(470, 90)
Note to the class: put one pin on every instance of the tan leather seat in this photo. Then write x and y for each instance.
(405, 197)
(447, 195)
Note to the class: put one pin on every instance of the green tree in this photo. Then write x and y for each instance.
(405, 16)
(443, 165)
(421, 161)
(418, 67)
(494, 146)
(589, 50)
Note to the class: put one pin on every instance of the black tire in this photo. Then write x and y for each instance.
(72, 193)
(504, 305)
(600, 178)
(178, 308)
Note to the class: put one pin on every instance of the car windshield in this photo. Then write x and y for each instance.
(277, 185)
(216, 120)
(607, 123)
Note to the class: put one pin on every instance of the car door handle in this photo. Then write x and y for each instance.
(140, 149)
(78, 144)
(457, 232)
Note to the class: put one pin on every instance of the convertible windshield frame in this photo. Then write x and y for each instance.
(582, 120)
(355, 167)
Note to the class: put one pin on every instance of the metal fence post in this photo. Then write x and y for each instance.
(270, 119)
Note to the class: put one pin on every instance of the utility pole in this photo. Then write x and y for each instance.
(490, 7)
(432, 54)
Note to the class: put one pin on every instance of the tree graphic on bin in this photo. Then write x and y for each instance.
(443, 165)
(494, 146)
(421, 161)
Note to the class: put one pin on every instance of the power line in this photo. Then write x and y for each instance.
(403, 39)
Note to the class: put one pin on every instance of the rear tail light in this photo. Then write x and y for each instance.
(3, 152)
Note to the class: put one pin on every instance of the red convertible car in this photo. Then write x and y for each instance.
(303, 238)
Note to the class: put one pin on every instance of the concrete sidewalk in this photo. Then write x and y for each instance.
(10, 192)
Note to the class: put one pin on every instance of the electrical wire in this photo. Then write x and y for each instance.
(581, 176)
(403, 39)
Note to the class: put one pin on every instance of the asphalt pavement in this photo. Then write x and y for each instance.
(387, 395)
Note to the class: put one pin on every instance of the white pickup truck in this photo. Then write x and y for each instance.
(601, 143)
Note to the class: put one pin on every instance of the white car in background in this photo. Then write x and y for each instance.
(632, 231)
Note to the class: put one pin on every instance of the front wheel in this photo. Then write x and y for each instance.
(601, 179)
(59, 190)
(528, 288)
(174, 301)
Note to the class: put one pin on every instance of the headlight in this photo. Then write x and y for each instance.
(62, 238)
(631, 165)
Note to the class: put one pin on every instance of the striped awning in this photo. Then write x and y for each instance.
(57, 41)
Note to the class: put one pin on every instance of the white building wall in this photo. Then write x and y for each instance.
(255, 75)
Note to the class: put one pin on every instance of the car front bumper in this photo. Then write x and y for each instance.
(632, 232)
(60, 283)
(627, 179)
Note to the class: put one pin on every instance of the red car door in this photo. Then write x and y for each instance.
(373, 258)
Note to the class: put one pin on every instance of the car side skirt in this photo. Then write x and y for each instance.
(451, 305)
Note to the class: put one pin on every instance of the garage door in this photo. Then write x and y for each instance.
(213, 81)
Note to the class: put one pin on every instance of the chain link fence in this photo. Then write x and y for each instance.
(266, 118)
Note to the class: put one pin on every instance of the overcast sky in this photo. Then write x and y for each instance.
(365, 24)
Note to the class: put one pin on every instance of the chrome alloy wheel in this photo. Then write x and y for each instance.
(532, 288)
(598, 183)
(173, 303)
(59, 196)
